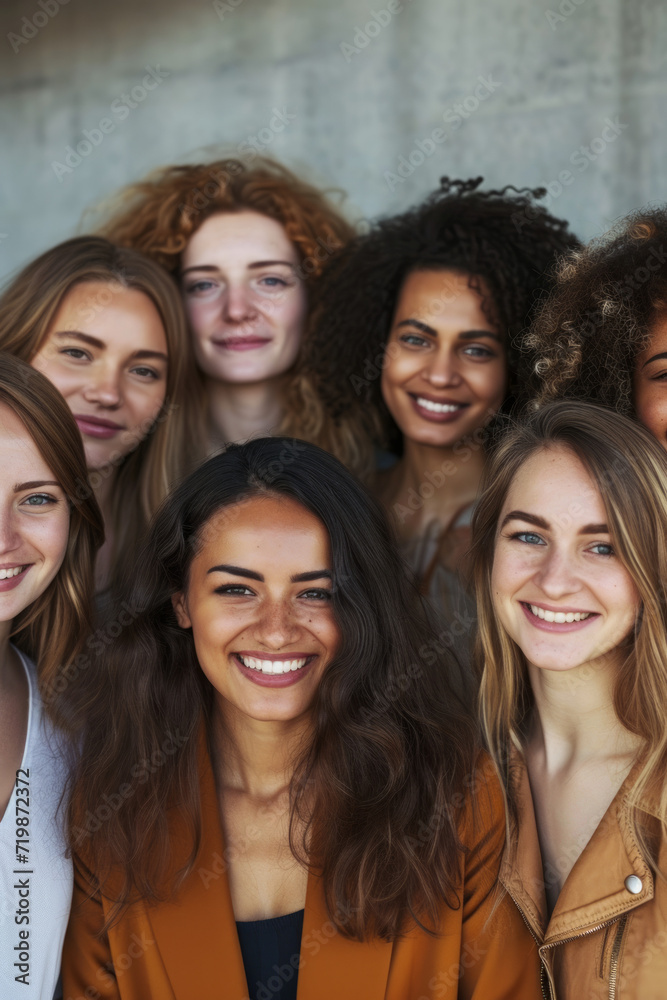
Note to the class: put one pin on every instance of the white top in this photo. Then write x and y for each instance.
(36, 878)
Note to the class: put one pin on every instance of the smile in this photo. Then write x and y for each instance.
(559, 616)
(428, 404)
(5, 574)
(273, 666)
(568, 620)
(438, 412)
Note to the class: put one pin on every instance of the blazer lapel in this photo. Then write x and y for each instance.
(333, 966)
(196, 931)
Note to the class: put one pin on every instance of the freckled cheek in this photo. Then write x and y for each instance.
(651, 410)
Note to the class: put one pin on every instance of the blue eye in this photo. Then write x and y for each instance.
(528, 537)
(603, 545)
(413, 340)
(39, 500)
(477, 351)
(273, 282)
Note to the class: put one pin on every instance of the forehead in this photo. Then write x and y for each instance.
(442, 297)
(223, 237)
(124, 317)
(266, 532)
(555, 484)
(19, 452)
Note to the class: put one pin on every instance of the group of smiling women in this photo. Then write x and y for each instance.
(333, 628)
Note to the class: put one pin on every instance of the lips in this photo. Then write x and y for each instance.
(97, 427)
(269, 670)
(440, 411)
(246, 343)
(12, 576)
(556, 620)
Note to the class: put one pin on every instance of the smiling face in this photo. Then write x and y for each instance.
(106, 351)
(258, 601)
(445, 366)
(558, 588)
(650, 381)
(245, 303)
(34, 519)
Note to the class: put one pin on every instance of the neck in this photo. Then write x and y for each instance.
(103, 495)
(253, 757)
(574, 720)
(434, 483)
(237, 413)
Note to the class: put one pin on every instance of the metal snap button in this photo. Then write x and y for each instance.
(633, 884)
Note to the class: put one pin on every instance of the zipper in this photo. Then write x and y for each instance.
(543, 971)
(615, 953)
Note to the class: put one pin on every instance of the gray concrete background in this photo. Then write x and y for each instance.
(352, 102)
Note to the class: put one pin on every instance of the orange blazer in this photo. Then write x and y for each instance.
(188, 949)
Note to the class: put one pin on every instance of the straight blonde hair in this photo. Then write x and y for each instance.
(53, 628)
(629, 468)
(171, 446)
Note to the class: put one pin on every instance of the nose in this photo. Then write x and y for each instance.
(277, 626)
(10, 540)
(237, 303)
(104, 387)
(441, 370)
(557, 576)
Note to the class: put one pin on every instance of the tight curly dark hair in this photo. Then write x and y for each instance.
(505, 242)
(589, 332)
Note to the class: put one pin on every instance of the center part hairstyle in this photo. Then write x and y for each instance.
(376, 786)
(160, 214)
(629, 468)
(52, 630)
(28, 307)
(503, 240)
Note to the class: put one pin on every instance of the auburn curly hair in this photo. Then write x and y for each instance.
(587, 335)
(504, 242)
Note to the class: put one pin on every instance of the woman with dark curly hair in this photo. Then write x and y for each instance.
(602, 334)
(246, 244)
(274, 784)
(415, 346)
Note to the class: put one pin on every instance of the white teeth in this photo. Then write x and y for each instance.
(272, 666)
(559, 617)
(428, 404)
(5, 574)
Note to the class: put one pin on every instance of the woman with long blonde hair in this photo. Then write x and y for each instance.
(570, 559)
(106, 326)
(49, 533)
(246, 243)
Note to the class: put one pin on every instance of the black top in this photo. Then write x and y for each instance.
(270, 950)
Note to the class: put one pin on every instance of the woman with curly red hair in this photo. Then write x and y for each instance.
(246, 245)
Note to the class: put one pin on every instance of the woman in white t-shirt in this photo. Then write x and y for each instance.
(48, 540)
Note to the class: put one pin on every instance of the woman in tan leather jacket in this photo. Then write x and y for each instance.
(570, 551)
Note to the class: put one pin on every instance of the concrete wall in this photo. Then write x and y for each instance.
(535, 80)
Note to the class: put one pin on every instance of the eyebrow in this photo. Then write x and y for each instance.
(249, 574)
(94, 342)
(466, 334)
(656, 357)
(19, 487)
(521, 515)
(211, 268)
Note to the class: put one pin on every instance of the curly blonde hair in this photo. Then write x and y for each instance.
(159, 215)
(586, 337)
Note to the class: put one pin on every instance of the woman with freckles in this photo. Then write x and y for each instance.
(245, 242)
(48, 539)
(570, 559)
(316, 811)
(105, 326)
(414, 346)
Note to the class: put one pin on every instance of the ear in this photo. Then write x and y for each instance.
(179, 605)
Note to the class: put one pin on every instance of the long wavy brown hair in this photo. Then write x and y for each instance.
(586, 338)
(27, 309)
(379, 788)
(159, 215)
(629, 468)
(52, 630)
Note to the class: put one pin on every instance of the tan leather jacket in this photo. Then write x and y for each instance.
(607, 936)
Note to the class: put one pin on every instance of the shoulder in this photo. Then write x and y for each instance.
(483, 812)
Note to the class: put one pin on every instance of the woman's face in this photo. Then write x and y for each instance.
(258, 601)
(559, 589)
(650, 381)
(445, 365)
(34, 519)
(106, 351)
(244, 299)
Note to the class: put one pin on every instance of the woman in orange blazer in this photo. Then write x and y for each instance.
(277, 795)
